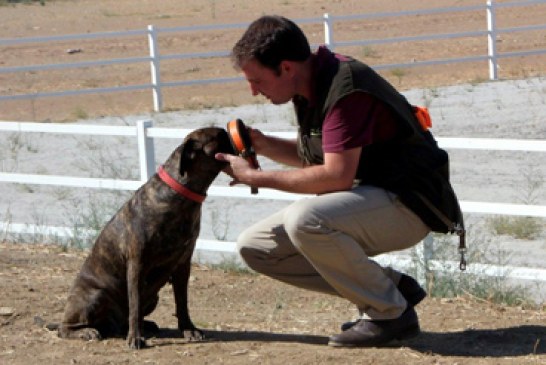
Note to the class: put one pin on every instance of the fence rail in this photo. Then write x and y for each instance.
(145, 134)
(154, 58)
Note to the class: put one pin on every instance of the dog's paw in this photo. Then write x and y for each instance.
(136, 343)
(89, 334)
(193, 334)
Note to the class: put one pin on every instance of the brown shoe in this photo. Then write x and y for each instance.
(410, 290)
(375, 333)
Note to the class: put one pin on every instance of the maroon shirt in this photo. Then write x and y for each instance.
(356, 120)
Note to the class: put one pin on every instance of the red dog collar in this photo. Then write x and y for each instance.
(179, 188)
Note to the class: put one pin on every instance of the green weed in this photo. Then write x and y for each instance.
(28, 2)
(231, 265)
(80, 113)
(526, 228)
(399, 73)
(369, 52)
(478, 284)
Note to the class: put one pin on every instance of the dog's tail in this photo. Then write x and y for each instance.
(39, 321)
(52, 326)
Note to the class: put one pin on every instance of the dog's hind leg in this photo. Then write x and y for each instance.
(81, 332)
(80, 309)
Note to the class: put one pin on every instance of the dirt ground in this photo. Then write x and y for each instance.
(64, 17)
(249, 319)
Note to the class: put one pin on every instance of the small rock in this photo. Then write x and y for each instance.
(6, 311)
(239, 352)
(39, 321)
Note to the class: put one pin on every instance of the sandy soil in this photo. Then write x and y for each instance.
(249, 319)
(89, 16)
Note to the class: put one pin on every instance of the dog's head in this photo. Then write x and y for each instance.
(200, 147)
(193, 162)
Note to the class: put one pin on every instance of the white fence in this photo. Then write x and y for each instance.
(154, 58)
(145, 134)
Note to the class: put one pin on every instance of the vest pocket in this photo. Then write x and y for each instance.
(312, 149)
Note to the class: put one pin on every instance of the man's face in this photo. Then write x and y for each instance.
(278, 88)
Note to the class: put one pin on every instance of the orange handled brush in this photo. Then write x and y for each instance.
(242, 144)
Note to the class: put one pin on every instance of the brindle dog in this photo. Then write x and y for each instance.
(147, 243)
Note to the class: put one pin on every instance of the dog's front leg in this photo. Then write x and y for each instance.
(179, 281)
(134, 335)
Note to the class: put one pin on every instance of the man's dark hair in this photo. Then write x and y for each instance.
(270, 40)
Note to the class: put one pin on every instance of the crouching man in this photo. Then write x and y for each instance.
(380, 181)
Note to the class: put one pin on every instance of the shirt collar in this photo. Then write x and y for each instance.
(324, 64)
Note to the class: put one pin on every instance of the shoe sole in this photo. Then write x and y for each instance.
(413, 299)
(408, 333)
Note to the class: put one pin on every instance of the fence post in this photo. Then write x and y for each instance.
(428, 250)
(154, 69)
(146, 153)
(491, 40)
(328, 32)
(424, 273)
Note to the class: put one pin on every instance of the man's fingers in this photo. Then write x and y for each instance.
(222, 157)
(228, 170)
(237, 167)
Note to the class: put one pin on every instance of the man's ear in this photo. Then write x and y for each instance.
(286, 67)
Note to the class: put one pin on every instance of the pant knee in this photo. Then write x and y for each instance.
(251, 254)
(302, 220)
(244, 241)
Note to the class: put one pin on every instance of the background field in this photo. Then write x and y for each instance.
(88, 16)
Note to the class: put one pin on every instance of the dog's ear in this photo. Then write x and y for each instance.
(220, 143)
(188, 154)
(211, 148)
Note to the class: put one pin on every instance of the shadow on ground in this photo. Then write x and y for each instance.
(498, 342)
(501, 342)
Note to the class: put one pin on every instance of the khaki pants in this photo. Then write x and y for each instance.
(324, 243)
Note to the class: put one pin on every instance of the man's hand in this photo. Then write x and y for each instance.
(239, 169)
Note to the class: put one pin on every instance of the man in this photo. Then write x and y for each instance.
(381, 182)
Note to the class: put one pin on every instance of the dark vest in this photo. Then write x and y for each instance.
(411, 165)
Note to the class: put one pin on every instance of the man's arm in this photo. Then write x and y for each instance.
(336, 174)
(280, 150)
